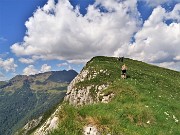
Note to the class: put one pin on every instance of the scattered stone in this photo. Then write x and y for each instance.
(107, 99)
(176, 120)
(90, 130)
(53, 123)
(166, 113)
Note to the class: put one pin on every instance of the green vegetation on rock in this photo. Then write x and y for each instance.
(146, 103)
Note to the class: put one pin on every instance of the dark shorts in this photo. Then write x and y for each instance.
(123, 72)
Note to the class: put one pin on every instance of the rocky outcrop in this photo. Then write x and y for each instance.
(107, 99)
(78, 96)
(90, 130)
(50, 124)
(29, 126)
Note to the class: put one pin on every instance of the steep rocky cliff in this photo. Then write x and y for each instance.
(78, 95)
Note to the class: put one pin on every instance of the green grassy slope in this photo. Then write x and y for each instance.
(147, 103)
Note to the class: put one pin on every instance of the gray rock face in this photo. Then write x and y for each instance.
(78, 96)
(50, 124)
(79, 78)
(30, 125)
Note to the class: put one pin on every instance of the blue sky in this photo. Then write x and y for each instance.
(74, 36)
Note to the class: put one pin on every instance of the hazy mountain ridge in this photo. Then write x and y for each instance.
(98, 101)
(23, 98)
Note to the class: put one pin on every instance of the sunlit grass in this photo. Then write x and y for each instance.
(147, 103)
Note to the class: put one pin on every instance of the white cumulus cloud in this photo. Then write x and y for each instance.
(45, 68)
(170, 65)
(61, 32)
(26, 60)
(157, 42)
(8, 64)
(30, 70)
(155, 3)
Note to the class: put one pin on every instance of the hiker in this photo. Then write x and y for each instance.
(121, 59)
(123, 70)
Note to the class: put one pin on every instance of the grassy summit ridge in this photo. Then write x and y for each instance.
(147, 103)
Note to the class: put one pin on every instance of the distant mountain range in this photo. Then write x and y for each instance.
(27, 97)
